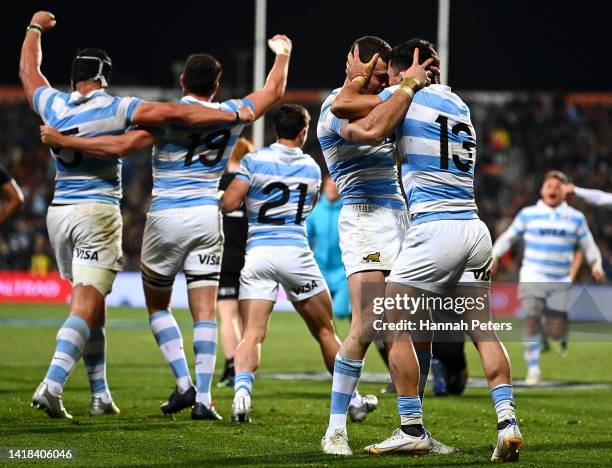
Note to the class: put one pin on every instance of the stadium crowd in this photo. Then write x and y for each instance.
(519, 139)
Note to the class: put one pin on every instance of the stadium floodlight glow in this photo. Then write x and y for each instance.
(443, 33)
(259, 69)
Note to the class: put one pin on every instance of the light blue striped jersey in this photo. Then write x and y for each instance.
(188, 162)
(283, 185)
(437, 143)
(363, 173)
(551, 236)
(80, 177)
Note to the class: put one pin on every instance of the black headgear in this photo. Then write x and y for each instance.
(91, 64)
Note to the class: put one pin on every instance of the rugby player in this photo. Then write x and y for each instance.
(183, 227)
(373, 218)
(552, 230)
(84, 220)
(447, 250)
(280, 185)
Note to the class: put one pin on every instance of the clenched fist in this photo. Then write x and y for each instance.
(44, 19)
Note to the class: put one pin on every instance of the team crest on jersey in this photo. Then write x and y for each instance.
(85, 254)
(372, 258)
(306, 287)
(209, 259)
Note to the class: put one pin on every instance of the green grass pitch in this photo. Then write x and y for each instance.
(560, 425)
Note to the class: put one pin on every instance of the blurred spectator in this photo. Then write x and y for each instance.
(41, 258)
(323, 237)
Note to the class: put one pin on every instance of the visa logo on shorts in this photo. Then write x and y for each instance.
(305, 288)
(84, 254)
(209, 259)
(372, 258)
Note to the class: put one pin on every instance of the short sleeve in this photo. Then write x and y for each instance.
(387, 93)
(42, 101)
(244, 171)
(519, 224)
(330, 122)
(131, 103)
(234, 104)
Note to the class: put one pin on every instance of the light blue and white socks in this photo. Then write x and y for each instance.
(205, 349)
(94, 357)
(344, 383)
(243, 384)
(170, 341)
(70, 343)
(503, 401)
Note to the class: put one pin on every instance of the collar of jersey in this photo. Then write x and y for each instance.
(553, 208)
(78, 98)
(286, 148)
(192, 100)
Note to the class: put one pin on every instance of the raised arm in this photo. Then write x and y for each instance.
(592, 196)
(192, 115)
(385, 118)
(591, 251)
(234, 195)
(31, 54)
(503, 243)
(350, 103)
(105, 147)
(273, 90)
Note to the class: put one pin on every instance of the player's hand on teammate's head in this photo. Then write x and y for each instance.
(355, 67)
(50, 136)
(420, 71)
(246, 114)
(598, 273)
(570, 189)
(44, 19)
(280, 44)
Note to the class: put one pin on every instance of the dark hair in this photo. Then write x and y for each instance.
(86, 66)
(201, 73)
(289, 121)
(401, 55)
(556, 175)
(370, 45)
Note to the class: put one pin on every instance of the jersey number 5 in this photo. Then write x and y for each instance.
(77, 157)
(263, 218)
(467, 145)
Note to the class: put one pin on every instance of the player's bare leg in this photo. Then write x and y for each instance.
(496, 367)
(256, 317)
(203, 306)
(411, 436)
(349, 364)
(316, 311)
(94, 358)
(231, 333)
(158, 292)
(72, 338)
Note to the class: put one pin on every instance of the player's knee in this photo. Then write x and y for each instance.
(156, 281)
(99, 278)
(201, 280)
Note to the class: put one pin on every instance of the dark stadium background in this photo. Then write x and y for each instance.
(520, 44)
(542, 52)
